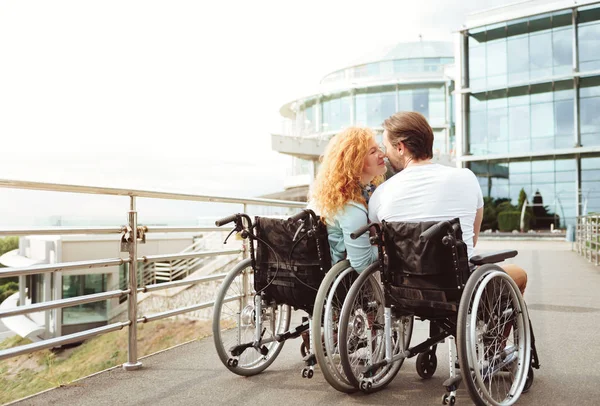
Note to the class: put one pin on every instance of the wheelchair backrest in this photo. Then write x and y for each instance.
(430, 261)
(276, 246)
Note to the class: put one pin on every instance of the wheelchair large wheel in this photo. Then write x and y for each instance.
(234, 323)
(328, 306)
(493, 337)
(362, 337)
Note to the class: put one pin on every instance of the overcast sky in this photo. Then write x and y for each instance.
(175, 95)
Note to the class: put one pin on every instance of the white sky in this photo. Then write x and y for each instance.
(175, 95)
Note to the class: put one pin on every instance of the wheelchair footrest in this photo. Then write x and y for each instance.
(295, 333)
(239, 349)
(369, 371)
(452, 384)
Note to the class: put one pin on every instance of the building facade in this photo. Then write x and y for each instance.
(408, 76)
(528, 103)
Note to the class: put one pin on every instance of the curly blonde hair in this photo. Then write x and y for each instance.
(338, 179)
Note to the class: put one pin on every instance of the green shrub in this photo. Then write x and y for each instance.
(8, 289)
(511, 220)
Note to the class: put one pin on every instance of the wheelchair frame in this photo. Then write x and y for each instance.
(270, 347)
(446, 325)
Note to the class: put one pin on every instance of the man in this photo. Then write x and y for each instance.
(425, 191)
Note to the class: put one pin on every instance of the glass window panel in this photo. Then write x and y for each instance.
(542, 120)
(590, 121)
(543, 177)
(520, 178)
(590, 163)
(540, 47)
(477, 64)
(545, 143)
(565, 165)
(590, 175)
(562, 51)
(478, 127)
(589, 43)
(361, 109)
(405, 100)
(497, 124)
(564, 114)
(477, 102)
(519, 167)
(420, 101)
(437, 106)
(542, 166)
(518, 59)
(496, 63)
(519, 127)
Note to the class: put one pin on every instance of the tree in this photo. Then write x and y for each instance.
(522, 198)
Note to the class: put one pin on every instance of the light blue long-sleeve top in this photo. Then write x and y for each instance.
(359, 252)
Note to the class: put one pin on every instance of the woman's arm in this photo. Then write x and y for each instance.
(359, 252)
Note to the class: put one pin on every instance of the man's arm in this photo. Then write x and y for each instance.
(477, 225)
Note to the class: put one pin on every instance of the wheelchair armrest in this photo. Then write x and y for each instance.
(493, 257)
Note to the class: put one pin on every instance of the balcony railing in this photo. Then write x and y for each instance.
(128, 236)
(587, 237)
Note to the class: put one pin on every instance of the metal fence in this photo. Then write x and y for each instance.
(587, 237)
(130, 235)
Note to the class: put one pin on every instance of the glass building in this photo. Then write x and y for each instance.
(528, 103)
(408, 76)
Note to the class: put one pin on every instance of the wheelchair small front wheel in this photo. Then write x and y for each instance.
(426, 364)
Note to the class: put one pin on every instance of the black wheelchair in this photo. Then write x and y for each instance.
(425, 273)
(252, 309)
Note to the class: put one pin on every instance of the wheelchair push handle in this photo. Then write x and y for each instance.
(303, 215)
(436, 230)
(361, 231)
(226, 220)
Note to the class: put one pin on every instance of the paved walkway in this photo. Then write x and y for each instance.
(564, 303)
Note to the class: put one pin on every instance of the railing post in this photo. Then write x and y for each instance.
(132, 361)
(245, 276)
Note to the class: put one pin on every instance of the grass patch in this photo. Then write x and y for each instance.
(32, 373)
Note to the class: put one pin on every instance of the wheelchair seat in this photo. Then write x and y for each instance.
(290, 270)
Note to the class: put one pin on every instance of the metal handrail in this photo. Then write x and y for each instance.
(172, 257)
(183, 310)
(59, 187)
(68, 339)
(55, 304)
(587, 237)
(129, 242)
(62, 266)
(167, 285)
(61, 230)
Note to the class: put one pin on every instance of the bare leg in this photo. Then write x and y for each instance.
(518, 274)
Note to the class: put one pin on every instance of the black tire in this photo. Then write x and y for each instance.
(324, 334)
(369, 311)
(426, 364)
(493, 338)
(226, 327)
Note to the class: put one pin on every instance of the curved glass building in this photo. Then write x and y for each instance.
(528, 103)
(413, 76)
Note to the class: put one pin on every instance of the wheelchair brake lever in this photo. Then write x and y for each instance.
(229, 235)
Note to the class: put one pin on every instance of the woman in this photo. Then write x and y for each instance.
(352, 166)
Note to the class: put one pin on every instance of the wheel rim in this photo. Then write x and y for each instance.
(237, 325)
(331, 324)
(497, 335)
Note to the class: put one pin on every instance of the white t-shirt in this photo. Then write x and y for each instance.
(430, 192)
